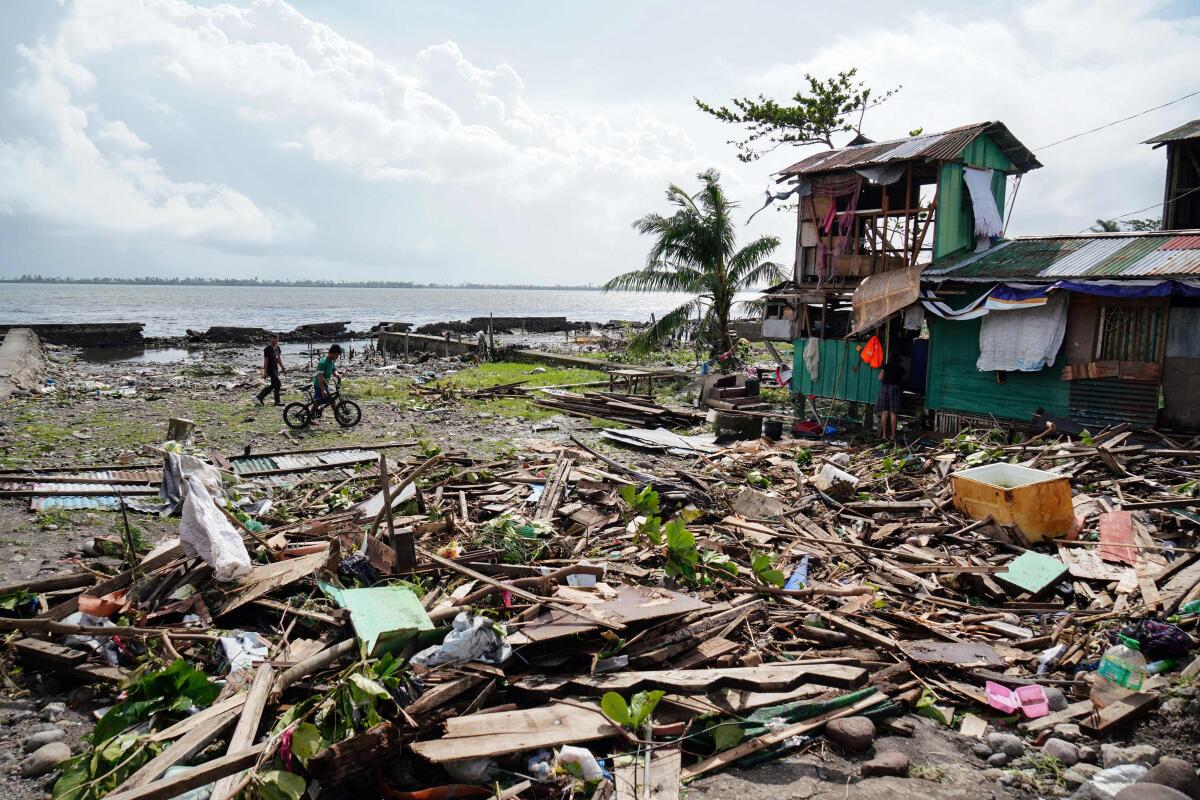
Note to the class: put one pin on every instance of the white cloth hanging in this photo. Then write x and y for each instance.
(1022, 341)
(987, 216)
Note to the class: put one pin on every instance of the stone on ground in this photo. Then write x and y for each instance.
(854, 734)
(1117, 755)
(1176, 773)
(44, 759)
(886, 764)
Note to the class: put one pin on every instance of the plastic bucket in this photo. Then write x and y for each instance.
(773, 429)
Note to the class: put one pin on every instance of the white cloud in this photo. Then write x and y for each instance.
(85, 172)
(439, 120)
(1054, 69)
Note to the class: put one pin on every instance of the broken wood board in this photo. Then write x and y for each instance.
(1116, 714)
(663, 782)
(489, 735)
(1073, 711)
(1116, 537)
(1033, 572)
(269, 577)
(767, 677)
(966, 655)
(620, 604)
(1085, 563)
(736, 701)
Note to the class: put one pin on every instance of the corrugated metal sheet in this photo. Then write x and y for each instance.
(252, 464)
(927, 147)
(1098, 255)
(1101, 403)
(301, 461)
(73, 503)
(1188, 130)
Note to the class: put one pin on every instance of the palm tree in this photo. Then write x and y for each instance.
(694, 252)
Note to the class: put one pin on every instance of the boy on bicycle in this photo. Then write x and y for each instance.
(326, 372)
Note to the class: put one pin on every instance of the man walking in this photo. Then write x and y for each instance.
(272, 366)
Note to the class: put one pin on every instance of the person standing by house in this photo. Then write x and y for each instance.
(272, 367)
(888, 404)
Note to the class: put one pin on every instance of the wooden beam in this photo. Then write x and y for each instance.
(194, 778)
(247, 725)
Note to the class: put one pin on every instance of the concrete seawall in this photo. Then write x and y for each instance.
(22, 362)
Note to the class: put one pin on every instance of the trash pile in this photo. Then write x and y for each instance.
(562, 623)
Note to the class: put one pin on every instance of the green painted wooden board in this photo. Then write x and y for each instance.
(1033, 572)
(384, 617)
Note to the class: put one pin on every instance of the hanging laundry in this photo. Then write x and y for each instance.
(1022, 341)
(873, 353)
(812, 357)
(987, 216)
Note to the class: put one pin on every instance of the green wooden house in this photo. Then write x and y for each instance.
(873, 212)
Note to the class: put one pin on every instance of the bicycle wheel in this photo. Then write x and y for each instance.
(296, 416)
(347, 413)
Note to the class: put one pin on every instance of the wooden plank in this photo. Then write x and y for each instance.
(727, 757)
(247, 725)
(1073, 711)
(187, 746)
(269, 577)
(202, 775)
(1116, 537)
(46, 653)
(1111, 716)
(766, 677)
(514, 731)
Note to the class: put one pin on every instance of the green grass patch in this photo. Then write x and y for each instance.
(391, 389)
(30, 435)
(56, 517)
(483, 376)
(502, 372)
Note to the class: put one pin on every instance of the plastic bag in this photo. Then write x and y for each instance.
(205, 532)
(472, 639)
(588, 765)
(873, 353)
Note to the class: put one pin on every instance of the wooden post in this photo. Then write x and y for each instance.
(243, 735)
(491, 339)
(446, 335)
(402, 544)
(180, 430)
(907, 211)
(406, 344)
(130, 552)
(460, 350)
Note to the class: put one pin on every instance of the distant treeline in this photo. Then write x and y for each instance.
(149, 281)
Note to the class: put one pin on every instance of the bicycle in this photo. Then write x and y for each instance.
(346, 412)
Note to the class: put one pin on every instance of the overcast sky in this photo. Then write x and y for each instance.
(505, 142)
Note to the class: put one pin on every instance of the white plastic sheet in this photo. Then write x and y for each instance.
(472, 639)
(205, 532)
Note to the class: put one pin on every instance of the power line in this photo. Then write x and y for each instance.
(1118, 121)
(1147, 208)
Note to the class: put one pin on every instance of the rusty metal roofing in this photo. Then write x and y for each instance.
(1188, 130)
(1159, 254)
(926, 147)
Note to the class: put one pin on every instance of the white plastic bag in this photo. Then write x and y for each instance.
(472, 638)
(206, 533)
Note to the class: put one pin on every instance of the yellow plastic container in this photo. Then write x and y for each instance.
(1038, 503)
